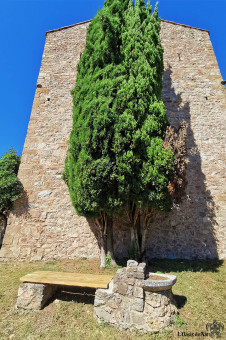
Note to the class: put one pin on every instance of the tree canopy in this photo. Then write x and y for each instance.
(143, 164)
(90, 166)
(10, 185)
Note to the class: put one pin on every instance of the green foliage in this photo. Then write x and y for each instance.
(144, 165)
(116, 153)
(90, 166)
(108, 262)
(179, 321)
(10, 186)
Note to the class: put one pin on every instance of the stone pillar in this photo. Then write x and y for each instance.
(127, 305)
(33, 296)
(159, 310)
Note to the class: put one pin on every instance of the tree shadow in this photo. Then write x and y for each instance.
(95, 230)
(3, 225)
(177, 266)
(188, 231)
(20, 208)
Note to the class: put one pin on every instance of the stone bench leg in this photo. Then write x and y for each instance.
(33, 296)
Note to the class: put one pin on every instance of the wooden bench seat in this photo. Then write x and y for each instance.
(68, 279)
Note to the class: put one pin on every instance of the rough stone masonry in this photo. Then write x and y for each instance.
(129, 305)
(43, 223)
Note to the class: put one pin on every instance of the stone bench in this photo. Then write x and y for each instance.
(39, 287)
(132, 300)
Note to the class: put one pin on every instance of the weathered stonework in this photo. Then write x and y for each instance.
(127, 305)
(43, 223)
(33, 296)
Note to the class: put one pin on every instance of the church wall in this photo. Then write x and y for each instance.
(43, 223)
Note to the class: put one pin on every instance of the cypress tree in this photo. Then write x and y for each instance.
(116, 158)
(144, 165)
(90, 164)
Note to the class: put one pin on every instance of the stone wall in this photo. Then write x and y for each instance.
(43, 223)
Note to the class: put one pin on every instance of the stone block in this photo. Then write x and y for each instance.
(98, 302)
(127, 318)
(126, 303)
(130, 290)
(138, 292)
(154, 324)
(137, 304)
(114, 304)
(102, 315)
(137, 318)
(44, 193)
(132, 263)
(122, 288)
(153, 299)
(139, 275)
(142, 266)
(33, 296)
(131, 269)
(130, 281)
(104, 294)
(130, 274)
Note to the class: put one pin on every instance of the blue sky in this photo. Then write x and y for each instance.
(23, 24)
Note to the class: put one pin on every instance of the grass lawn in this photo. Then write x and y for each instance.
(200, 294)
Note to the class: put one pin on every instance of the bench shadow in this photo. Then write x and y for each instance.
(75, 294)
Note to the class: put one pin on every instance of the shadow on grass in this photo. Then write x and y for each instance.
(180, 300)
(167, 266)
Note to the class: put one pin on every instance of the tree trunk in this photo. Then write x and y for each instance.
(143, 244)
(138, 237)
(102, 224)
(139, 229)
(144, 228)
(134, 246)
(3, 225)
(133, 214)
(102, 251)
(110, 242)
